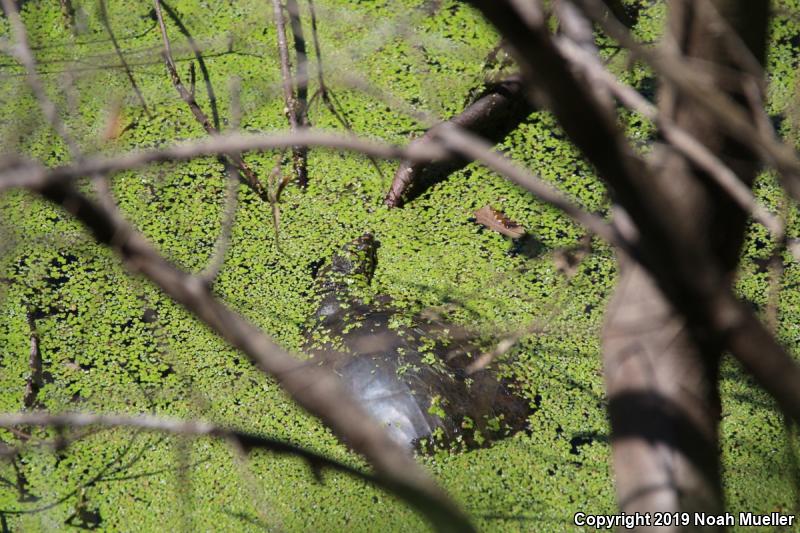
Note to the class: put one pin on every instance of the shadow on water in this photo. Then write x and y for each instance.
(248, 519)
(586, 438)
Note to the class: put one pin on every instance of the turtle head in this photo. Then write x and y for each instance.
(352, 266)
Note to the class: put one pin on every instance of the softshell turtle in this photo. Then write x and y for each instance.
(406, 373)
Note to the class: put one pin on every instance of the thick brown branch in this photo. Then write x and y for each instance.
(293, 9)
(68, 12)
(501, 108)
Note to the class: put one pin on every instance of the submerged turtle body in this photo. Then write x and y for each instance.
(407, 377)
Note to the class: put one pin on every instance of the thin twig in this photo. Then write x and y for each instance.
(248, 441)
(257, 495)
(184, 93)
(250, 178)
(323, 92)
(477, 149)
(244, 442)
(579, 30)
(231, 199)
(291, 104)
(226, 226)
(276, 182)
(198, 55)
(501, 348)
(35, 381)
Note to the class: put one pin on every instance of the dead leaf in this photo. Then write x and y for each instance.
(496, 220)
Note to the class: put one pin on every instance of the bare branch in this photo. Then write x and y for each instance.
(201, 63)
(35, 380)
(477, 149)
(286, 73)
(231, 198)
(68, 11)
(226, 227)
(245, 441)
(185, 94)
(579, 31)
(301, 79)
(323, 91)
(696, 86)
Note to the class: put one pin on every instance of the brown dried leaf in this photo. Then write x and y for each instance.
(496, 220)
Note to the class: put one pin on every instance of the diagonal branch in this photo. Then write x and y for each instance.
(196, 50)
(477, 149)
(107, 25)
(695, 85)
(501, 108)
(22, 51)
(315, 389)
(231, 201)
(324, 92)
(688, 145)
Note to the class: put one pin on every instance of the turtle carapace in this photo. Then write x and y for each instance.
(405, 372)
